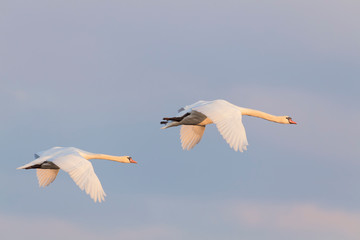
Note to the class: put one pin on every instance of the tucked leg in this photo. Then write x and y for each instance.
(175, 119)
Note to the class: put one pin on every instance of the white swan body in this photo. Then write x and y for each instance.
(75, 162)
(226, 116)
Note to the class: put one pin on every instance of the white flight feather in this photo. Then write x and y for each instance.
(227, 118)
(191, 135)
(83, 174)
(75, 162)
(46, 176)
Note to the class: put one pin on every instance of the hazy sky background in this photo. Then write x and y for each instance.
(100, 75)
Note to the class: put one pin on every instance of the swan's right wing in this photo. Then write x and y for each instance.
(83, 174)
(228, 120)
(46, 176)
(191, 135)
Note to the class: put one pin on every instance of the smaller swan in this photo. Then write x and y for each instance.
(226, 116)
(75, 162)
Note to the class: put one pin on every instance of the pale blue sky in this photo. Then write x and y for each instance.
(100, 76)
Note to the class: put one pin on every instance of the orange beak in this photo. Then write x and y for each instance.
(132, 161)
(292, 122)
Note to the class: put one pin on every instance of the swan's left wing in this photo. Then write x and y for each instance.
(48, 152)
(191, 135)
(228, 120)
(83, 174)
(189, 108)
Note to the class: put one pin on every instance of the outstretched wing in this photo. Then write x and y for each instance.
(189, 108)
(228, 120)
(83, 174)
(190, 135)
(48, 152)
(46, 176)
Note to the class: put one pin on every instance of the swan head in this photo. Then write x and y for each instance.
(131, 160)
(289, 120)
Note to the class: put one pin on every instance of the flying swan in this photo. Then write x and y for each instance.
(226, 116)
(75, 162)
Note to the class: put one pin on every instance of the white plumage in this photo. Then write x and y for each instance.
(76, 163)
(191, 135)
(226, 116)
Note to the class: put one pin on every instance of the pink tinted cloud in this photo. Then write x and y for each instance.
(296, 218)
(36, 227)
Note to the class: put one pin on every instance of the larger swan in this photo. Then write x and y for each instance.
(75, 162)
(226, 116)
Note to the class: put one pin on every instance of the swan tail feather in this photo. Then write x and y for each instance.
(171, 124)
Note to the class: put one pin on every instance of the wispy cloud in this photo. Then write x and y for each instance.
(36, 227)
(21, 227)
(189, 218)
(296, 218)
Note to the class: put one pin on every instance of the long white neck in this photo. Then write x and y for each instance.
(263, 115)
(123, 159)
